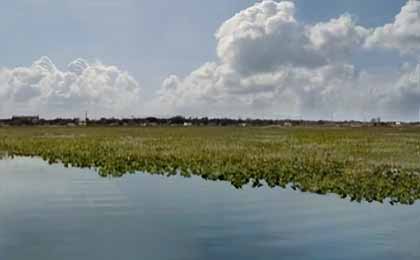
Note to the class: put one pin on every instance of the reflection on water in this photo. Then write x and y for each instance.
(49, 212)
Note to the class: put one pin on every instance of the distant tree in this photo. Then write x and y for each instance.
(177, 120)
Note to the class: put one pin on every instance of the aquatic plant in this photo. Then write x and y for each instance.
(367, 164)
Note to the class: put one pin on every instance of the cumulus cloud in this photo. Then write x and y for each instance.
(403, 34)
(247, 41)
(338, 37)
(405, 99)
(43, 88)
(269, 62)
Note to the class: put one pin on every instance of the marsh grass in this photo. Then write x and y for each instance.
(364, 164)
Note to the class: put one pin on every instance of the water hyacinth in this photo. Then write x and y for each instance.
(367, 164)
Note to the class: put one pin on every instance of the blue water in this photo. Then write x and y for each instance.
(50, 212)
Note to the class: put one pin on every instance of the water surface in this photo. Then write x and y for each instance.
(50, 212)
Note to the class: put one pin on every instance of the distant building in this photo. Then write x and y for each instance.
(82, 122)
(187, 124)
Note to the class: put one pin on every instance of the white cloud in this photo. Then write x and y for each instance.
(272, 64)
(265, 37)
(403, 34)
(269, 62)
(338, 37)
(405, 97)
(43, 88)
(214, 88)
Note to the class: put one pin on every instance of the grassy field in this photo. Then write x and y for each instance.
(372, 164)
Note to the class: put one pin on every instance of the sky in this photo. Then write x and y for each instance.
(323, 59)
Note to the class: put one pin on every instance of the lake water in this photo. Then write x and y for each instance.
(50, 212)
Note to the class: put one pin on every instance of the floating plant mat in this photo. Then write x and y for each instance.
(372, 164)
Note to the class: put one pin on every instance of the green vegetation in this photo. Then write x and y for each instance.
(372, 164)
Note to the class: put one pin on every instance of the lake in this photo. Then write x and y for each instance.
(51, 212)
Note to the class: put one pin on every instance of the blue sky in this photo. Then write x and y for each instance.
(154, 39)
